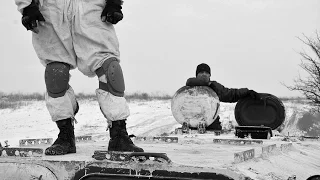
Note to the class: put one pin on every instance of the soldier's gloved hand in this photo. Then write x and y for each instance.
(112, 12)
(30, 16)
(254, 94)
(196, 82)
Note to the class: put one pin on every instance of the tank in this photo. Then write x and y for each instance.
(196, 104)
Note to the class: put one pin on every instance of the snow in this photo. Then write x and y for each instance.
(154, 118)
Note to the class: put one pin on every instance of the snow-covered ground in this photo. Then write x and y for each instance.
(154, 118)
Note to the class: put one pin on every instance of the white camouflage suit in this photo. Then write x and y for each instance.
(73, 33)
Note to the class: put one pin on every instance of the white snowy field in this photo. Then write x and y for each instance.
(154, 118)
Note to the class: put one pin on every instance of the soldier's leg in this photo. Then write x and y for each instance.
(114, 106)
(216, 124)
(62, 106)
(97, 49)
(54, 47)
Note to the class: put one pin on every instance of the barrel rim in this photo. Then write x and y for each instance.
(270, 100)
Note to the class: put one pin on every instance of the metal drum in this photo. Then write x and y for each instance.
(269, 111)
(195, 105)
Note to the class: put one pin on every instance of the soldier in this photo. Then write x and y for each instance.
(69, 34)
(229, 95)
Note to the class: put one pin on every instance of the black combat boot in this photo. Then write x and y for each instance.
(119, 138)
(65, 143)
(216, 125)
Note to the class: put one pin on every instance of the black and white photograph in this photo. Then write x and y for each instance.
(160, 89)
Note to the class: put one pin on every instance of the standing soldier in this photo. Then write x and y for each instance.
(69, 34)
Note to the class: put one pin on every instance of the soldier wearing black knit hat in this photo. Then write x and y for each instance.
(230, 95)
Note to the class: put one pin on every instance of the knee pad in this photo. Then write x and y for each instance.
(115, 81)
(57, 79)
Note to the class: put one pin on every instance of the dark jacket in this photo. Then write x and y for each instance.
(225, 94)
(228, 95)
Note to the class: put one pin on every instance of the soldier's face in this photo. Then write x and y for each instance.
(204, 76)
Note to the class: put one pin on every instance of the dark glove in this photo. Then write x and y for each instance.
(30, 16)
(254, 94)
(112, 12)
(196, 82)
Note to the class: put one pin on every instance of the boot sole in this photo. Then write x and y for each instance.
(127, 150)
(56, 151)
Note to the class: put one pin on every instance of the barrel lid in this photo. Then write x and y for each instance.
(195, 104)
(268, 111)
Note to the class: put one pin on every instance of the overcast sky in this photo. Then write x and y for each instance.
(247, 43)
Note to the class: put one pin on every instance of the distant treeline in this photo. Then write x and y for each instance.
(13, 97)
(296, 99)
(129, 96)
(14, 100)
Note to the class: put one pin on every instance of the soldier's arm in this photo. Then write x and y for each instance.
(228, 94)
(21, 4)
